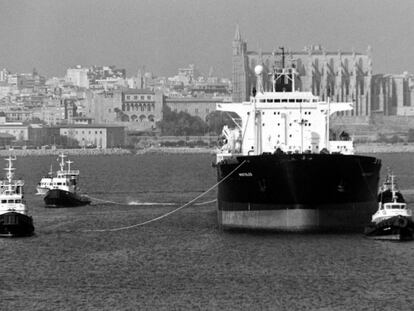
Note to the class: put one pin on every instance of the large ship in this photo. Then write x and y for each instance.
(279, 169)
(62, 189)
(14, 216)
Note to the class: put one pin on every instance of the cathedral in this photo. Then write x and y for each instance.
(343, 76)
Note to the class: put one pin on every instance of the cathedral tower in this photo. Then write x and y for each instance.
(239, 70)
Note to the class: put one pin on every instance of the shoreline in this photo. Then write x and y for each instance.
(359, 149)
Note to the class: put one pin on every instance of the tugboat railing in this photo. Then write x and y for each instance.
(68, 172)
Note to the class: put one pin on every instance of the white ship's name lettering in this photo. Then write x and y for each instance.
(246, 174)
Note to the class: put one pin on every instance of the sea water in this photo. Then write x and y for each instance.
(184, 261)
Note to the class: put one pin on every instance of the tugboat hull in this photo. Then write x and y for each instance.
(62, 198)
(398, 228)
(14, 224)
(298, 192)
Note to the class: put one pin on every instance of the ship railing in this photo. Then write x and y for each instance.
(70, 172)
(341, 146)
(4, 183)
(222, 155)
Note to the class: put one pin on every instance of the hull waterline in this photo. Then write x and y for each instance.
(15, 224)
(309, 192)
(62, 198)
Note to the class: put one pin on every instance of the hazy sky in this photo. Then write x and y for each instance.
(164, 35)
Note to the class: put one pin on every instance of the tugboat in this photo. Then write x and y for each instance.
(278, 168)
(63, 189)
(393, 220)
(14, 218)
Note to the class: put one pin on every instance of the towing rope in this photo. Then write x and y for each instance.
(171, 212)
(129, 203)
(144, 203)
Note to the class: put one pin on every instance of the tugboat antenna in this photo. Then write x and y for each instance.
(283, 56)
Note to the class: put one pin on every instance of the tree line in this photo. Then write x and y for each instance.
(183, 124)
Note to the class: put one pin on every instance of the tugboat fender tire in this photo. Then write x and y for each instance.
(401, 222)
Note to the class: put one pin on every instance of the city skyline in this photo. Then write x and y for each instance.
(165, 35)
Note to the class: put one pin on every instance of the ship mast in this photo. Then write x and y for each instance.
(69, 162)
(62, 161)
(393, 190)
(10, 173)
(257, 113)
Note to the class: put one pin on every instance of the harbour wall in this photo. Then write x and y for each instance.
(359, 149)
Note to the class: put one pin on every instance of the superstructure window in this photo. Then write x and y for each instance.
(269, 100)
(262, 100)
(277, 100)
(284, 100)
(291, 100)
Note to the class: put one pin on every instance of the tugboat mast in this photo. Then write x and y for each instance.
(62, 161)
(10, 174)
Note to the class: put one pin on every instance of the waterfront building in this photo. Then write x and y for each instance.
(93, 135)
(4, 73)
(105, 72)
(78, 76)
(141, 108)
(18, 115)
(26, 81)
(6, 89)
(6, 139)
(18, 130)
(102, 106)
(187, 75)
(51, 112)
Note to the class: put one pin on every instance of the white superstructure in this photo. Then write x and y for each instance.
(65, 179)
(283, 119)
(11, 192)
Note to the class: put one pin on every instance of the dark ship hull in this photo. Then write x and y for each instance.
(298, 192)
(398, 228)
(13, 224)
(62, 198)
